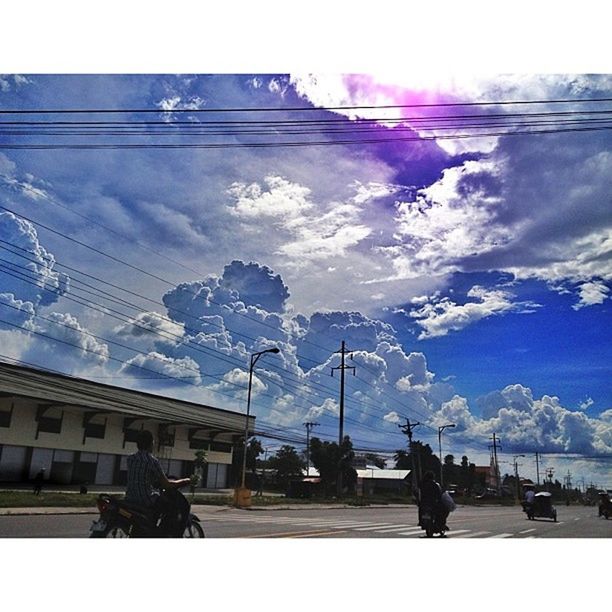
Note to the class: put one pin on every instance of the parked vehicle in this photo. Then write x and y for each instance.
(120, 519)
(605, 505)
(541, 508)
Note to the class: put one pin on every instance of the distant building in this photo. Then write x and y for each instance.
(373, 480)
(82, 431)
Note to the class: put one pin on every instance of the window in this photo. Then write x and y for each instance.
(221, 447)
(95, 430)
(5, 417)
(131, 435)
(49, 424)
(197, 444)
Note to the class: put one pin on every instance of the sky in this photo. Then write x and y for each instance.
(470, 278)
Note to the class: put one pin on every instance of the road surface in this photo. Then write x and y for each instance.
(385, 522)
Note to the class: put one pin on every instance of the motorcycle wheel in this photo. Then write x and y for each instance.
(429, 532)
(193, 530)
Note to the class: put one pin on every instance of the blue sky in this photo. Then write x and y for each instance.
(471, 277)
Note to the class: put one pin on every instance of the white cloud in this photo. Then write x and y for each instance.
(586, 404)
(30, 265)
(438, 318)
(66, 328)
(595, 292)
(307, 232)
(329, 406)
(153, 327)
(282, 199)
(141, 366)
(392, 417)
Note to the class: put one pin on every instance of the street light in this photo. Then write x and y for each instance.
(440, 430)
(254, 358)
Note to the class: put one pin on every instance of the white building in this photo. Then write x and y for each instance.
(82, 432)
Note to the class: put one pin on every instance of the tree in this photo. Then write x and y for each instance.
(423, 455)
(254, 449)
(198, 469)
(287, 463)
(329, 459)
(379, 462)
(402, 460)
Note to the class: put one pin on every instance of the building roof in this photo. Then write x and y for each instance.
(60, 389)
(378, 474)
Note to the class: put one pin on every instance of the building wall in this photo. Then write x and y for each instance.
(67, 456)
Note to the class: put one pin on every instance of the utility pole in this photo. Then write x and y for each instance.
(537, 456)
(516, 478)
(308, 426)
(497, 477)
(407, 429)
(342, 367)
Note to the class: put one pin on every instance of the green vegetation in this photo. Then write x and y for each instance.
(27, 499)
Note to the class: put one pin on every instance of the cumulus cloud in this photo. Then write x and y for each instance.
(236, 383)
(329, 406)
(167, 367)
(67, 329)
(307, 232)
(28, 266)
(442, 315)
(528, 424)
(152, 327)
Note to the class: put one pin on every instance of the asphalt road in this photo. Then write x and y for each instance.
(386, 522)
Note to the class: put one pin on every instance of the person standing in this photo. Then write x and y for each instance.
(38, 481)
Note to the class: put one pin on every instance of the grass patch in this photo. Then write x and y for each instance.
(27, 499)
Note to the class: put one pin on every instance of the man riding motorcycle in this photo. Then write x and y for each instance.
(430, 500)
(147, 484)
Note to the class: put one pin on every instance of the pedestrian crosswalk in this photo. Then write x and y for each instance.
(388, 529)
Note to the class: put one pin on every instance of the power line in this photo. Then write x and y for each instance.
(289, 144)
(296, 108)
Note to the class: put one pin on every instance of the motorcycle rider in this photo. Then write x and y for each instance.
(529, 497)
(146, 479)
(430, 496)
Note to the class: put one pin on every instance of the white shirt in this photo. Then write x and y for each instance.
(529, 496)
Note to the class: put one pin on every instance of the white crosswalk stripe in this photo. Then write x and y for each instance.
(475, 534)
(394, 528)
(375, 527)
(503, 535)
(452, 534)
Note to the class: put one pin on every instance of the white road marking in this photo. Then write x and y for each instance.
(503, 535)
(560, 523)
(476, 534)
(376, 527)
(411, 532)
(361, 525)
(452, 534)
(396, 528)
(526, 530)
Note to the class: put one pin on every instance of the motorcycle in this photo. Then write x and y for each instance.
(121, 519)
(605, 506)
(430, 522)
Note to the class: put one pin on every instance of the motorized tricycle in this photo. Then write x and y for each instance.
(541, 507)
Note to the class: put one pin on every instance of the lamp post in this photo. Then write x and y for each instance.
(516, 477)
(440, 430)
(254, 359)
